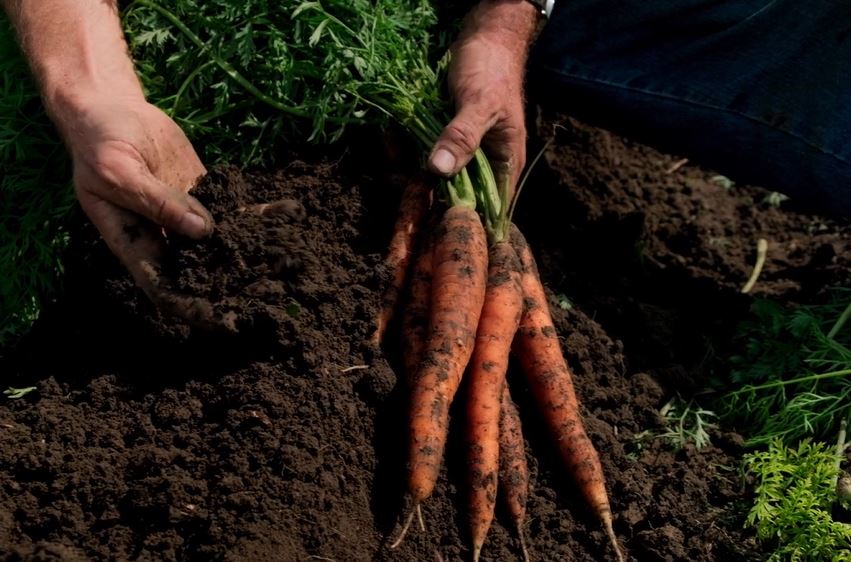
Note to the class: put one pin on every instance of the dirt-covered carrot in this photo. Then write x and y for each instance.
(459, 277)
(416, 199)
(539, 353)
(415, 314)
(513, 469)
(498, 323)
(413, 328)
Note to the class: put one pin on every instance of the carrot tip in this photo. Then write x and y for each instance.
(404, 530)
(610, 531)
(477, 552)
(420, 518)
(523, 547)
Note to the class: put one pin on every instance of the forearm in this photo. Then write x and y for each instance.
(509, 23)
(75, 49)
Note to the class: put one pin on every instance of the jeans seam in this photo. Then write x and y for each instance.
(702, 105)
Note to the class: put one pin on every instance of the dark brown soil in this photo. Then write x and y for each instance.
(284, 439)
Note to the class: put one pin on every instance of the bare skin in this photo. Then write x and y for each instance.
(486, 82)
(133, 166)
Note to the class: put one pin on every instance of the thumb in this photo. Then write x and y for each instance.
(182, 213)
(168, 206)
(460, 139)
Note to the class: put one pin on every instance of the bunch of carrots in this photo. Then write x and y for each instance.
(472, 291)
(471, 296)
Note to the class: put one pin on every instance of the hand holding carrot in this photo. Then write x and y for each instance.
(486, 81)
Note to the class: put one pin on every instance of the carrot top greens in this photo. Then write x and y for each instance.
(316, 68)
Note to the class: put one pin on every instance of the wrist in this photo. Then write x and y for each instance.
(97, 69)
(510, 22)
(72, 88)
(76, 51)
(70, 102)
(65, 92)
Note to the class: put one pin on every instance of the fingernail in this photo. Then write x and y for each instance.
(443, 161)
(193, 225)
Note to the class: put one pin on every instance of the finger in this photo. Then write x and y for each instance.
(460, 139)
(127, 182)
(504, 176)
(133, 240)
(137, 243)
(172, 208)
(507, 170)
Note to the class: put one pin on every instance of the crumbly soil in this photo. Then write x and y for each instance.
(283, 437)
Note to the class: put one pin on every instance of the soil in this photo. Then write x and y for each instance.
(282, 437)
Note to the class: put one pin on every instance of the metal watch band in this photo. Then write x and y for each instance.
(544, 6)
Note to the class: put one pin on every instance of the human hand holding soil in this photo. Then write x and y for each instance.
(486, 81)
(133, 168)
(128, 155)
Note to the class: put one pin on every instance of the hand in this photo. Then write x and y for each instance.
(129, 155)
(133, 168)
(133, 165)
(486, 81)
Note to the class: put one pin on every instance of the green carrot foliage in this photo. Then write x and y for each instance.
(240, 75)
(35, 194)
(794, 499)
(794, 375)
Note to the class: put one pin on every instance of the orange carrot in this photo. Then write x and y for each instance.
(459, 277)
(513, 470)
(414, 322)
(488, 365)
(416, 200)
(414, 325)
(539, 353)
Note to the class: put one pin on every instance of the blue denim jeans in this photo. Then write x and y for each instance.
(759, 90)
